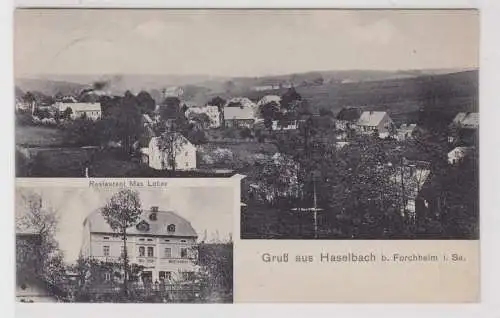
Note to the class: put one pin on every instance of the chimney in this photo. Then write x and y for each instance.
(152, 215)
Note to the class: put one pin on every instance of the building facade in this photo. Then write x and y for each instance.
(161, 241)
(176, 151)
(78, 110)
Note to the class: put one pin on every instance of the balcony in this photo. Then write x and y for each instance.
(146, 260)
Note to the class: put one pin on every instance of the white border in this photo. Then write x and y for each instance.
(490, 198)
(254, 3)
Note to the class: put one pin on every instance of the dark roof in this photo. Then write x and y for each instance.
(159, 226)
(349, 114)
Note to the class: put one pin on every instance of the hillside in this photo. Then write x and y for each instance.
(403, 93)
(48, 87)
(402, 97)
(119, 83)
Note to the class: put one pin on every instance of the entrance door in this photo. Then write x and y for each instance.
(147, 277)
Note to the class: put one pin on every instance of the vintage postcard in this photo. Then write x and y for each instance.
(355, 134)
(117, 240)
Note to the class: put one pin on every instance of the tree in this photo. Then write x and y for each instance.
(171, 143)
(325, 112)
(270, 112)
(91, 278)
(290, 100)
(201, 118)
(125, 121)
(229, 87)
(82, 132)
(217, 101)
(245, 133)
(66, 114)
(121, 212)
(145, 102)
(29, 97)
(216, 271)
(40, 257)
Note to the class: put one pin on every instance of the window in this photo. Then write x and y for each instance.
(183, 241)
(106, 237)
(167, 253)
(150, 251)
(183, 252)
(165, 275)
(150, 240)
(142, 240)
(142, 251)
(167, 240)
(107, 276)
(171, 228)
(105, 250)
(188, 275)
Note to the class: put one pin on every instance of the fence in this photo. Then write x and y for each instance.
(176, 293)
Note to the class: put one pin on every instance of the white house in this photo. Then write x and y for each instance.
(405, 132)
(291, 125)
(161, 241)
(78, 110)
(408, 180)
(170, 148)
(458, 154)
(371, 121)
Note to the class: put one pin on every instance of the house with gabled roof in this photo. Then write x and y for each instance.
(161, 241)
(466, 120)
(464, 128)
(239, 117)
(375, 121)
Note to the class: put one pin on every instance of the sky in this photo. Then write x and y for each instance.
(208, 209)
(241, 42)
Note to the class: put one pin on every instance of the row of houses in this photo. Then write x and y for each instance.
(77, 110)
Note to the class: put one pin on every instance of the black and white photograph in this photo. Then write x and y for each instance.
(115, 244)
(348, 124)
(384, 147)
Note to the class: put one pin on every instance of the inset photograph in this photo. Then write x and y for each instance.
(127, 245)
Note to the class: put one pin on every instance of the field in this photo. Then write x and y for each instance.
(236, 156)
(36, 136)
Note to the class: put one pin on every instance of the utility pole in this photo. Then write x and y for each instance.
(314, 209)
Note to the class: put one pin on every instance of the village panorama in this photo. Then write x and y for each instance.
(325, 155)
